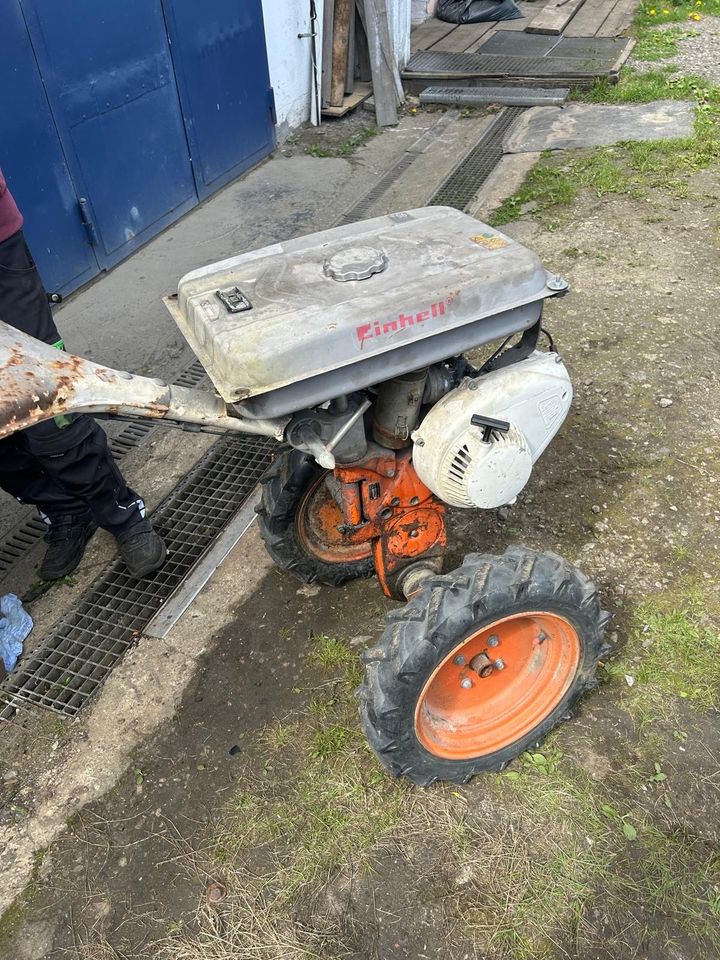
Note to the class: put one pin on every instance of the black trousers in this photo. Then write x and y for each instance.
(63, 466)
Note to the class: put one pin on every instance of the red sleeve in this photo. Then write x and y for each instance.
(10, 217)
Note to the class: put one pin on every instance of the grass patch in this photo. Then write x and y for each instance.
(330, 652)
(659, 44)
(680, 658)
(346, 147)
(519, 865)
(674, 11)
(632, 169)
(559, 851)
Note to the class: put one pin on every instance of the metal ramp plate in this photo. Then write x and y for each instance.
(510, 43)
(509, 96)
(429, 63)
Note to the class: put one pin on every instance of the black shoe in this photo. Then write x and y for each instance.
(142, 549)
(66, 541)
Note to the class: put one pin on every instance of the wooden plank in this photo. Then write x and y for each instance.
(463, 38)
(361, 93)
(619, 19)
(327, 44)
(518, 25)
(341, 37)
(426, 34)
(590, 18)
(352, 51)
(555, 16)
(385, 76)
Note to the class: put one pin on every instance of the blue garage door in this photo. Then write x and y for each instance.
(218, 49)
(107, 69)
(32, 159)
(116, 116)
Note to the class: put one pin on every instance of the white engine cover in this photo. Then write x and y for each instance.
(450, 455)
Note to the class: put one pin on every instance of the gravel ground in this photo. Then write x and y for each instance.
(699, 52)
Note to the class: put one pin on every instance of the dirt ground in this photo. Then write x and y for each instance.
(258, 824)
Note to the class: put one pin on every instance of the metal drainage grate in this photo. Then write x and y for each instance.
(465, 180)
(431, 63)
(77, 656)
(361, 209)
(193, 376)
(509, 96)
(25, 534)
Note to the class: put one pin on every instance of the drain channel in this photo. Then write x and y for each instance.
(76, 657)
(469, 175)
(361, 209)
(25, 534)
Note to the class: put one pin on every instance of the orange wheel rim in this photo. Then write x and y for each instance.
(319, 519)
(472, 705)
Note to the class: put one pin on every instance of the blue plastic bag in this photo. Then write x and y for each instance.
(476, 11)
(15, 624)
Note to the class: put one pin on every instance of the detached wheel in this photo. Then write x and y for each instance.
(299, 521)
(481, 665)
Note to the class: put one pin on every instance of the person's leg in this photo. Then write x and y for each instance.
(70, 452)
(70, 523)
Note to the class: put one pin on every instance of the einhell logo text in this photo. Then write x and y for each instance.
(379, 328)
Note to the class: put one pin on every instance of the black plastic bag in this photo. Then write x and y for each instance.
(476, 11)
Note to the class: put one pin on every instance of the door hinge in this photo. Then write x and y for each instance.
(271, 106)
(87, 221)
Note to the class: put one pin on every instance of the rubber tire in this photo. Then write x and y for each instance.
(448, 609)
(283, 488)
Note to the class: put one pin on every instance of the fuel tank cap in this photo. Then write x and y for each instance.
(355, 263)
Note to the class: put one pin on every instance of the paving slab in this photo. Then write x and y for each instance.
(595, 125)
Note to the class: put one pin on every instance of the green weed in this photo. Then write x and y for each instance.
(346, 147)
(682, 657)
(674, 11)
(329, 652)
(659, 44)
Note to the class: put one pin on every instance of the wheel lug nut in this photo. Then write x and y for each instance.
(499, 664)
(459, 660)
(466, 683)
(493, 641)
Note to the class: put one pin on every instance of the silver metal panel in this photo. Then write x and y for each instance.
(445, 270)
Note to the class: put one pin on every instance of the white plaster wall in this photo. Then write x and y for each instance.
(289, 58)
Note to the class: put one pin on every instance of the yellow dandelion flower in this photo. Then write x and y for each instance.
(651, 12)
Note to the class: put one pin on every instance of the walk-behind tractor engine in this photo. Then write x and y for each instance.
(350, 347)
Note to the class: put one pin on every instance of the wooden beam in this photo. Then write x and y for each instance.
(426, 34)
(361, 92)
(555, 16)
(341, 36)
(352, 52)
(588, 21)
(619, 19)
(385, 77)
(327, 46)
(464, 37)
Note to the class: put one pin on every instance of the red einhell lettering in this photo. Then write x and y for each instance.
(382, 328)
